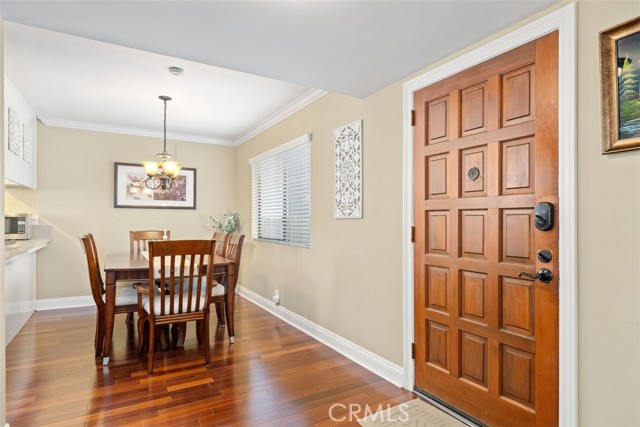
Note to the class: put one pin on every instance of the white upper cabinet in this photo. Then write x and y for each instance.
(19, 139)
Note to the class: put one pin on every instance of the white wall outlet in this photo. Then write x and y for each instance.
(35, 220)
(276, 297)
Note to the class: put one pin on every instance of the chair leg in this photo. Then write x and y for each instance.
(129, 318)
(163, 337)
(179, 332)
(98, 340)
(152, 346)
(220, 313)
(205, 336)
(231, 337)
(143, 333)
(199, 331)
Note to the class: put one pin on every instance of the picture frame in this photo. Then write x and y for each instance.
(620, 81)
(130, 191)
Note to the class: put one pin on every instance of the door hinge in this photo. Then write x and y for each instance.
(413, 117)
(413, 350)
(413, 234)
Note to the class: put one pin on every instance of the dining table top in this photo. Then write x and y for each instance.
(127, 261)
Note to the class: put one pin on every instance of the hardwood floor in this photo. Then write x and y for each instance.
(274, 375)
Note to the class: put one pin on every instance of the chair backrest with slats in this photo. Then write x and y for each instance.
(140, 239)
(234, 247)
(221, 239)
(95, 280)
(184, 270)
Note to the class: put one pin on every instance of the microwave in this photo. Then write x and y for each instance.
(17, 226)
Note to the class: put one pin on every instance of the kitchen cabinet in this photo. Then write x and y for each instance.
(20, 283)
(20, 142)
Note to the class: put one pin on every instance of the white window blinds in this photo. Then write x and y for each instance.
(281, 188)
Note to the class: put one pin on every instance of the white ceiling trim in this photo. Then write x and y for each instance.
(99, 127)
(298, 104)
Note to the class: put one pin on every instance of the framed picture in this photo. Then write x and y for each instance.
(620, 86)
(130, 190)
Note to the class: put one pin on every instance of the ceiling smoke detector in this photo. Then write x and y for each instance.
(176, 71)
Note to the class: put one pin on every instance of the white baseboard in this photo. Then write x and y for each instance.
(363, 357)
(56, 303)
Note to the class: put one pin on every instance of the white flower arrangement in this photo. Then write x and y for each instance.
(229, 222)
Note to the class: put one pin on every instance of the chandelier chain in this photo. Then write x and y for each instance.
(165, 126)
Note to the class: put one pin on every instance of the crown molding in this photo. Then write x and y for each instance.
(298, 104)
(99, 127)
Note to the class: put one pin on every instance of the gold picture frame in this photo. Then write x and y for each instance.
(620, 86)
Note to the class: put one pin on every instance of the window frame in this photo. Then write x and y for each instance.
(290, 231)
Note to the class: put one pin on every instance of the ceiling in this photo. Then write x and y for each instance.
(102, 64)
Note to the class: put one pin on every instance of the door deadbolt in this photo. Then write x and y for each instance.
(545, 255)
(543, 216)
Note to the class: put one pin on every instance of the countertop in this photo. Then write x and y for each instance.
(21, 247)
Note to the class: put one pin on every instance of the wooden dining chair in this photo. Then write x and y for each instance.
(221, 239)
(218, 294)
(126, 297)
(138, 242)
(139, 239)
(184, 270)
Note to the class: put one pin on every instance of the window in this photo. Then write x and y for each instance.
(281, 190)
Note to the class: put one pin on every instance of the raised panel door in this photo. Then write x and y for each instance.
(485, 150)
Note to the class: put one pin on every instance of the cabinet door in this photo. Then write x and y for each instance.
(20, 289)
(19, 138)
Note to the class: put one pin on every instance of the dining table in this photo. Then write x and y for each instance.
(135, 266)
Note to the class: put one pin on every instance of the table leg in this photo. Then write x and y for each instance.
(110, 303)
(232, 278)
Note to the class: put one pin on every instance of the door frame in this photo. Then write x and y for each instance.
(563, 20)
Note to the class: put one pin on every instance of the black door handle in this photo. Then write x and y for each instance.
(544, 275)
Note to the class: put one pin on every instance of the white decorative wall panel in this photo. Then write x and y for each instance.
(15, 132)
(348, 171)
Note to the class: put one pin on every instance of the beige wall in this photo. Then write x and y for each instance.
(609, 243)
(350, 280)
(75, 196)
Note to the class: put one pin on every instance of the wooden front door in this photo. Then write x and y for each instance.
(485, 150)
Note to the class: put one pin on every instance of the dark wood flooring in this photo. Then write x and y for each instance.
(274, 375)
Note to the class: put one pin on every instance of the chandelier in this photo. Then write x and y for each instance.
(161, 174)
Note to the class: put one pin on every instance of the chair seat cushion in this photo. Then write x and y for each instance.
(218, 290)
(129, 282)
(125, 296)
(176, 302)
